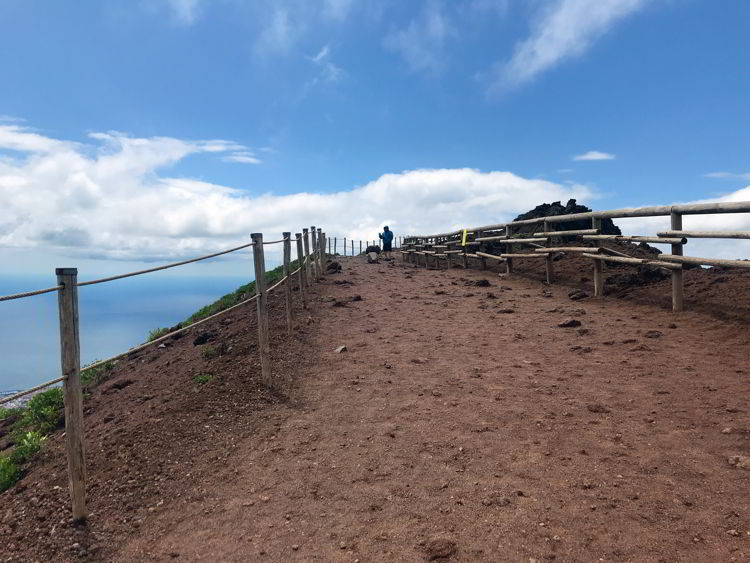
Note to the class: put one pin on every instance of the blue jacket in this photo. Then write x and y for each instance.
(387, 236)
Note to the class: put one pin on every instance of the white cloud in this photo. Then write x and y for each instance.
(563, 29)
(185, 12)
(728, 175)
(108, 199)
(422, 42)
(595, 155)
(244, 157)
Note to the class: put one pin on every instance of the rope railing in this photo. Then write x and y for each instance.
(164, 267)
(310, 254)
(30, 293)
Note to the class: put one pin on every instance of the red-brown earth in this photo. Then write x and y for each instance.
(462, 423)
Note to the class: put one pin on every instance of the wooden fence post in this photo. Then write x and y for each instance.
(548, 258)
(335, 246)
(360, 247)
(344, 246)
(677, 275)
(352, 253)
(310, 266)
(70, 352)
(315, 247)
(302, 280)
(596, 223)
(509, 250)
(260, 290)
(322, 253)
(288, 283)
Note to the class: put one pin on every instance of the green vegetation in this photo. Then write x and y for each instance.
(157, 333)
(41, 416)
(27, 447)
(203, 378)
(9, 473)
(43, 412)
(8, 413)
(98, 373)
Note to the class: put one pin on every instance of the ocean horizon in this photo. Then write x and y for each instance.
(114, 317)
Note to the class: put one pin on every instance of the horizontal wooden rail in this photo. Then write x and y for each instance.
(568, 249)
(624, 238)
(705, 261)
(491, 256)
(706, 234)
(634, 261)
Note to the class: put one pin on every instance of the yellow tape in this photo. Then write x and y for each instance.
(463, 237)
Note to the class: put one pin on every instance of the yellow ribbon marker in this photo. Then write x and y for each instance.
(463, 237)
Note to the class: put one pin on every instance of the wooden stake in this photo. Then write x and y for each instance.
(314, 242)
(548, 261)
(260, 289)
(288, 283)
(309, 266)
(596, 223)
(509, 250)
(321, 254)
(302, 279)
(677, 275)
(70, 352)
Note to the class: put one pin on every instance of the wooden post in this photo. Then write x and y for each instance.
(596, 223)
(260, 289)
(329, 246)
(70, 352)
(344, 246)
(288, 283)
(548, 259)
(309, 266)
(360, 247)
(314, 242)
(335, 246)
(321, 254)
(302, 279)
(509, 250)
(352, 253)
(677, 275)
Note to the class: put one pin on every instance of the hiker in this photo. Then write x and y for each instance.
(387, 237)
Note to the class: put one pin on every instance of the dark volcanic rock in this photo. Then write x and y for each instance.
(556, 208)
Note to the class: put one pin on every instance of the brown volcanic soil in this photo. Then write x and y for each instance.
(462, 424)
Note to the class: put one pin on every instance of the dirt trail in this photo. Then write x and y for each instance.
(464, 424)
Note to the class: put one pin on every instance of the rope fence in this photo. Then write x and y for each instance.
(310, 245)
(511, 236)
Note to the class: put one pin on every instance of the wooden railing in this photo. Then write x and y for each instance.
(455, 245)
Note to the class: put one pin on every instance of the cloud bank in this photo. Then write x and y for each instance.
(112, 198)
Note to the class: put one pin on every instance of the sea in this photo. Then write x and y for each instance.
(114, 316)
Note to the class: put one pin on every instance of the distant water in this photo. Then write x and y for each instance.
(114, 316)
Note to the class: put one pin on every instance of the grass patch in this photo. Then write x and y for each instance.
(43, 413)
(157, 333)
(9, 413)
(9, 473)
(96, 374)
(203, 379)
(27, 447)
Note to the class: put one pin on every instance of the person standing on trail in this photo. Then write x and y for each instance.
(387, 238)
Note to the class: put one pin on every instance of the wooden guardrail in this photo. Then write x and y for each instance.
(310, 256)
(416, 247)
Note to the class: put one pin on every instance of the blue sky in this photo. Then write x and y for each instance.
(153, 129)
